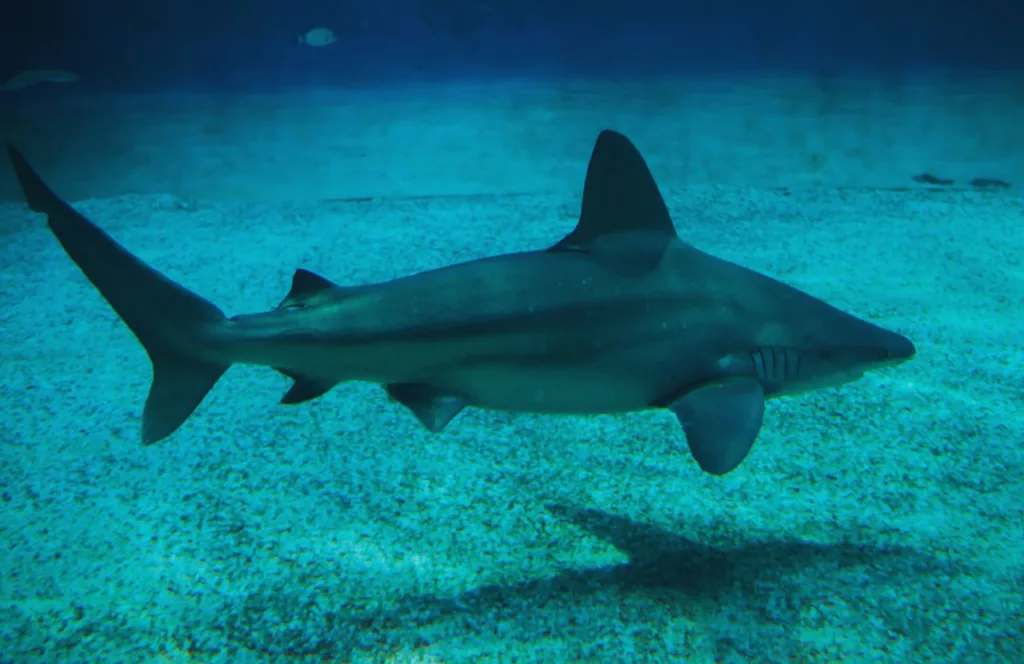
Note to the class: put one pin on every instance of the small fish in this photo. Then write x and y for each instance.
(316, 37)
(989, 183)
(27, 79)
(928, 178)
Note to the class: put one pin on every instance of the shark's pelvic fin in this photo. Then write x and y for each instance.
(433, 409)
(167, 318)
(305, 388)
(620, 197)
(721, 422)
(306, 286)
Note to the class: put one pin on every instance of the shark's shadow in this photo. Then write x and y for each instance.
(664, 560)
(765, 579)
(669, 565)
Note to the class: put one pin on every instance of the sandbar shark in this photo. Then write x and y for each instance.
(619, 315)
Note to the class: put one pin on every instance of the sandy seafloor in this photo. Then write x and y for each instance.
(880, 521)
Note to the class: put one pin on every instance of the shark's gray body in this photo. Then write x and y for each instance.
(620, 315)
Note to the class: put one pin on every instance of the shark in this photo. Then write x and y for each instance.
(620, 315)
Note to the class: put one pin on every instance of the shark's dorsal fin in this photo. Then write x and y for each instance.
(305, 285)
(620, 196)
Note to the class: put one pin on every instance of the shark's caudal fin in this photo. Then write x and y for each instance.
(167, 319)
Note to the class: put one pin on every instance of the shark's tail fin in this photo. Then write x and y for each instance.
(169, 320)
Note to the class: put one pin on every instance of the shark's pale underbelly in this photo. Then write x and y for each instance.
(541, 389)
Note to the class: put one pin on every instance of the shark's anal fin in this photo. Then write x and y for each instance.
(304, 389)
(620, 198)
(432, 408)
(721, 421)
(306, 286)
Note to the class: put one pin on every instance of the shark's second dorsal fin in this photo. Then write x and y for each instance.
(305, 285)
(619, 196)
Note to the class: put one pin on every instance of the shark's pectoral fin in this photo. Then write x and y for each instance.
(305, 388)
(432, 408)
(721, 421)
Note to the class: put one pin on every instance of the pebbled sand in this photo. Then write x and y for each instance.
(879, 521)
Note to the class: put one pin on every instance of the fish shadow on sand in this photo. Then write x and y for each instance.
(663, 560)
(768, 577)
(770, 582)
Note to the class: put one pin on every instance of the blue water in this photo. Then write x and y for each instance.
(250, 45)
(874, 521)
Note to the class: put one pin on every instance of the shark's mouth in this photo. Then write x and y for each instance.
(783, 369)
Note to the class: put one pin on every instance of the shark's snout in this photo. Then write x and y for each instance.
(899, 348)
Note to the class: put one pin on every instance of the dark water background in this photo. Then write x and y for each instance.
(248, 45)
